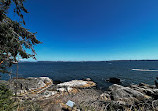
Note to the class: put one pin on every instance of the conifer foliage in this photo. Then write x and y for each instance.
(15, 40)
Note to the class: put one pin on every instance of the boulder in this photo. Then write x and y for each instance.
(114, 80)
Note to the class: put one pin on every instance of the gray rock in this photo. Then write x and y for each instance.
(146, 89)
(29, 84)
(126, 95)
(155, 105)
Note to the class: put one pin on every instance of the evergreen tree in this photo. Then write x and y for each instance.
(15, 40)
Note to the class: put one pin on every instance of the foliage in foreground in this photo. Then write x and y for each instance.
(6, 101)
(15, 40)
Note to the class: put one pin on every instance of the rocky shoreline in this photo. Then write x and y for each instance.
(84, 95)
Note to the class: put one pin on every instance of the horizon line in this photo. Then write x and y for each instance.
(92, 60)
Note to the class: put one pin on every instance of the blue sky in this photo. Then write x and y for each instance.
(79, 30)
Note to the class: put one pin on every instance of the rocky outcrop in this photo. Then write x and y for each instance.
(43, 87)
(151, 91)
(142, 96)
(54, 96)
(32, 85)
(126, 95)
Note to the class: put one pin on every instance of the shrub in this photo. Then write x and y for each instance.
(6, 101)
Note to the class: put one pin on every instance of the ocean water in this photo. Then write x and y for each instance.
(128, 71)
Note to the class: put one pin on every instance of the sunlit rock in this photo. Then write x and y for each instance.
(77, 83)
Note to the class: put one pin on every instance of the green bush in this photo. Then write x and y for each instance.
(6, 101)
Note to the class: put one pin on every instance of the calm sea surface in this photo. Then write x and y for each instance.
(97, 71)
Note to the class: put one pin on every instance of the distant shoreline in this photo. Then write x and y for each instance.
(90, 61)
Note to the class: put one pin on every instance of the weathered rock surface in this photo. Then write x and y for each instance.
(30, 85)
(43, 87)
(140, 97)
(83, 99)
(51, 97)
(117, 97)
(126, 95)
(77, 84)
(146, 89)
